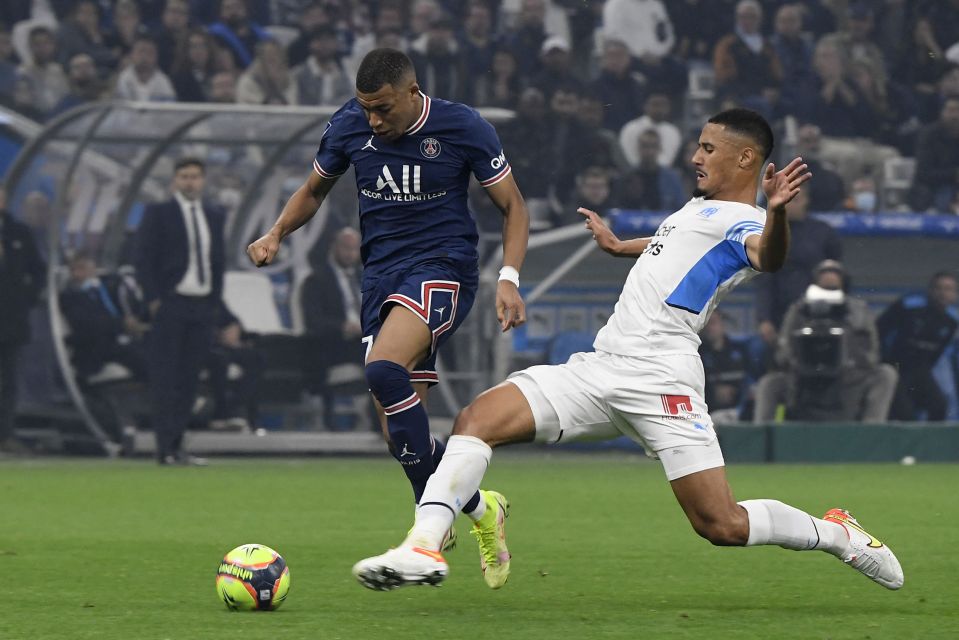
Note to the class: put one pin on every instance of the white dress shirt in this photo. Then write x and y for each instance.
(191, 285)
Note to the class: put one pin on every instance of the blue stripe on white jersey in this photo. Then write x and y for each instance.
(719, 264)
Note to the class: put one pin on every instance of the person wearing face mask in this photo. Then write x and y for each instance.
(828, 352)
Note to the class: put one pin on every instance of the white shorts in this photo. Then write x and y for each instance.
(656, 401)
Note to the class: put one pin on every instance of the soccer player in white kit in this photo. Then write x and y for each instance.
(645, 380)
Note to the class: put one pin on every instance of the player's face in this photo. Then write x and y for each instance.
(391, 109)
(715, 159)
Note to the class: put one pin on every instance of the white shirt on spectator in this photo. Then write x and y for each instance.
(157, 87)
(643, 25)
(48, 84)
(670, 140)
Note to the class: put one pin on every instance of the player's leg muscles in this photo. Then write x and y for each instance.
(403, 340)
(496, 417)
(708, 502)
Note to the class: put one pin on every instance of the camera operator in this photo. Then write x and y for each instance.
(828, 353)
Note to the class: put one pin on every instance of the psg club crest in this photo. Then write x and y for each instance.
(430, 147)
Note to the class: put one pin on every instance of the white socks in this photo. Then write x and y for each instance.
(772, 522)
(454, 482)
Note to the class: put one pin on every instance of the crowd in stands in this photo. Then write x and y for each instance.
(852, 85)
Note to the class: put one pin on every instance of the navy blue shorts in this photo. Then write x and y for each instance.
(441, 292)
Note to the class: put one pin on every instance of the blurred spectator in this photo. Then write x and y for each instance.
(930, 105)
(855, 41)
(555, 71)
(644, 25)
(684, 163)
(897, 121)
(657, 113)
(22, 275)
(829, 354)
(423, 14)
(828, 191)
(617, 87)
(438, 61)
(479, 47)
(233, 365)
(105, 318)
(811, 242)
(173, 31)
(8, 68)
(746, 65)
(593, 191)
(529, 143)
(500, 87)
(936, 179)
(194, 67)
(22, 100)
(45, 77)
(268, 79)
(142, 80)
(80, 33)
(794, 50)
(223, 87)
(236, 33)
(84, 82)
(664, 74)
(699, 26)
(312, 19)
(846, 118)
(726, 367)
(937, 24)
(837, 105)
(650, 185)
(127, 27)
(331, 312)
(915, 332)
(321, 80)
(526, 40)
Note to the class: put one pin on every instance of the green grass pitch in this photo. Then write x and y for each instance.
(97, 549)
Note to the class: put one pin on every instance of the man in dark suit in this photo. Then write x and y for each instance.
(179, 266)
(21, 280)
(103, 315)
(331, 312)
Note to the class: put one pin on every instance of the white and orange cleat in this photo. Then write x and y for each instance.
(866, 553)
(401, 567)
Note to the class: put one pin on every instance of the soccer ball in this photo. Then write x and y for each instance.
(253, 577)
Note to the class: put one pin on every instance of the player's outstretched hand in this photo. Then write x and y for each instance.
(263, 250)
(510, 308)
(602, 234)
(782, 186)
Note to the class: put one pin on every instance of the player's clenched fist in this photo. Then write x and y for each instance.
(263, 250)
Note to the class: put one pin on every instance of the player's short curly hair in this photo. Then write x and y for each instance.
(380, 67)
(750, 124)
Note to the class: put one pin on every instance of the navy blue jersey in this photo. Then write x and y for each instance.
(412, 191)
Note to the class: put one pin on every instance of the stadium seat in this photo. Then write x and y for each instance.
(897, 174)
(249, 296)
(296, 304)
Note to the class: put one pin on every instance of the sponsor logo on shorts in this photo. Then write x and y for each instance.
(679, 408)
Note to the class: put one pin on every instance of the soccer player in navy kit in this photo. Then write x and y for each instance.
(413, 157)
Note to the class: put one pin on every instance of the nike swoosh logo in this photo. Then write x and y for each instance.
(873, 541)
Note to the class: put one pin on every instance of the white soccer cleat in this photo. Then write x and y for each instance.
(866, 553)
(401, 567)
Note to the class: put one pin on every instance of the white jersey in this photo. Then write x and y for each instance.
(695, 257)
